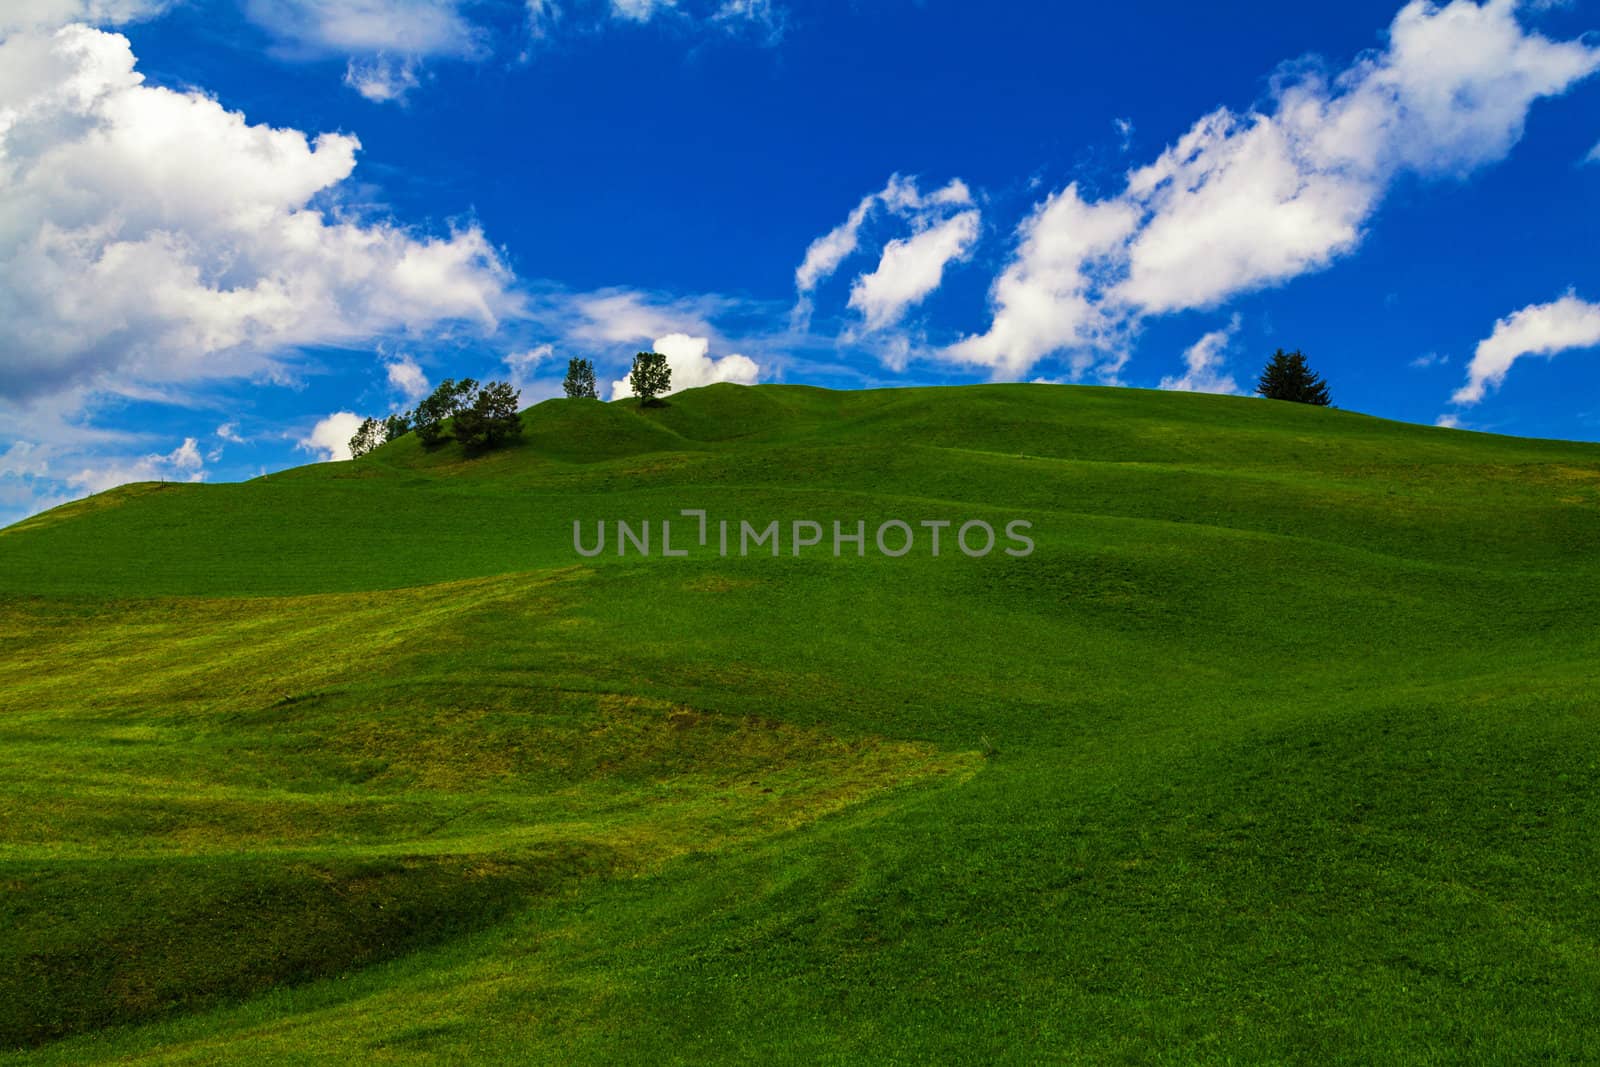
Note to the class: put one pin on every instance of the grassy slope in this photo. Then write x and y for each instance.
(1291, 745)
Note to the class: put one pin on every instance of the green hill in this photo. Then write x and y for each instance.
(1281, 745)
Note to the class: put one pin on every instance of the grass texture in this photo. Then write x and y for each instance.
(1282, 746)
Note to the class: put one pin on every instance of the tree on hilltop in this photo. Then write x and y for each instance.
(375, 432)
(580, 380)
(450, 399)
(490, 419)
(1287, 376)
(396, 426)
(651, 377)
(369, 435)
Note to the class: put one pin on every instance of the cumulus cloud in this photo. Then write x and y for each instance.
(1536, 330)
(1203, 370)
(1594, 155)
(1246, 201)
(1448, 421)
(406, 378)
(150, 238)
(229, 432)
(182, 464)
(692, 365)
(330, 437)
(1050, 296)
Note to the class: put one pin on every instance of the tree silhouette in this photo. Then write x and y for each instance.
(651, 376)
(1287, 376)
(450, 399)
(490, 419)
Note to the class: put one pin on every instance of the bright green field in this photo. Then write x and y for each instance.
(1283, 746)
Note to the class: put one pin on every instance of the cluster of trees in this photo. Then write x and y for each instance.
(481, 417)
(650, 378)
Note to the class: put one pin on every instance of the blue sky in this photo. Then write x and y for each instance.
(230, 228)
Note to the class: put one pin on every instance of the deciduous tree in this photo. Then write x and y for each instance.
(651, 377)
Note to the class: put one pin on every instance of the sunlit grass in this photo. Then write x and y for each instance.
(1280, 747)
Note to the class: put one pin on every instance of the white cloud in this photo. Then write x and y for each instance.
(525, 369)
(1124, 128)
(21, 15)
(754, 12)
(386, 41)
(1203, 365)
(1430, 359)
(1594, 155)
(943, 227)
(640, 10)
(1536, 330)
(1242, 202)
(406, 378)
(183, 464)
(824, 255)
(150, 238)
(692, 366)
(1448, 421)
(625, 315)
(23, 459)
(542, 17)
(1048, 297)
(229, 432)
(382, 79)
(330, 437)
(369, 27)
(523, 366)
(911, 268)
(899, 196)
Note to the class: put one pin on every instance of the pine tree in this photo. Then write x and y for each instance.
(1287, 376)
(651, 376)
(580, 380)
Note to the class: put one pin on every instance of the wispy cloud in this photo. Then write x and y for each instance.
(1203, 365)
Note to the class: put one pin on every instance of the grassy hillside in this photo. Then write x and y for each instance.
(1282, 745)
